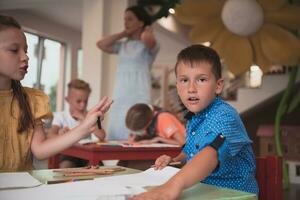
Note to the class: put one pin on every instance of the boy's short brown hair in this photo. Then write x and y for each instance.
(79, 84)
(199, 53)
(138, 116)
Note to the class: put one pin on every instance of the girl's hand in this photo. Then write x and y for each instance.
(97, 111)
(162, 161)
(63, 130)
(79, 116)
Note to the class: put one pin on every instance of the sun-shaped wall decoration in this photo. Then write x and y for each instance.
(245, 32)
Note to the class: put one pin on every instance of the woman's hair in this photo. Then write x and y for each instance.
(199, 53)
(79, 84)
(141, 14)
(138, 116)
(26, 117)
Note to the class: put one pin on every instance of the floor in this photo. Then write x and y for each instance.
(293, 193)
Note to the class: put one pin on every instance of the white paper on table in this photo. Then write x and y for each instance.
(158, 145)
(149, 177)
(17, 180)
(81, 190)
(91, 139)
(108, 188)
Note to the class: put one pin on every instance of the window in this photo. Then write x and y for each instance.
(44, 65)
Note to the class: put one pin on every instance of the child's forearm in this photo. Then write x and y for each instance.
(197, 169)
(43, 148)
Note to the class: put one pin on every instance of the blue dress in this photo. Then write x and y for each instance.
(133, 83)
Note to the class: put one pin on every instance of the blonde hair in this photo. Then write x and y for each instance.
(79, 84)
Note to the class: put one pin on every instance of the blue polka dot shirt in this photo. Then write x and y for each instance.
(236, 169)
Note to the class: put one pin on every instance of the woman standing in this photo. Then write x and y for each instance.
(136, 55)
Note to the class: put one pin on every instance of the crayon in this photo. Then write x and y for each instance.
(68, 180)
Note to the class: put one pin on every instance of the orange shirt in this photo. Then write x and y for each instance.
(167, 124)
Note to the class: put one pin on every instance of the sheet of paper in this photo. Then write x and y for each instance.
(127, 144)
(150, 177)
(88, 140)
(108, 188)
(82, 190)
(155, 145)
(17, 180)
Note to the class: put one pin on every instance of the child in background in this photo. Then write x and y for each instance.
(77, 98)
(218, 150)
(149, 124)
(23, 109)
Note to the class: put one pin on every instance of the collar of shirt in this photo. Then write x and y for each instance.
(190, 115)
(200, 116)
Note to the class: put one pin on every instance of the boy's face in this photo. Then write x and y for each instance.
(77, 100)
(197, 86)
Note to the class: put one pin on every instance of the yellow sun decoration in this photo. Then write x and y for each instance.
(245, 32)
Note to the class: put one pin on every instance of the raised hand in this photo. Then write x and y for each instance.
(97, 111)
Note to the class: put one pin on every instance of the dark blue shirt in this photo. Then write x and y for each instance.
(236, 167)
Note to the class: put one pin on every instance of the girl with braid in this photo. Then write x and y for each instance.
(22, 109)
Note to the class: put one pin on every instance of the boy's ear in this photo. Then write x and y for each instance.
(220, 85)
(67, 99)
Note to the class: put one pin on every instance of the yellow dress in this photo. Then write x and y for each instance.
(15, 152)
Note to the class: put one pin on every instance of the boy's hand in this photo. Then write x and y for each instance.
(162, 161)
(167, 191)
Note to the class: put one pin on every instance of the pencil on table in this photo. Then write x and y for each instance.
(171, 163)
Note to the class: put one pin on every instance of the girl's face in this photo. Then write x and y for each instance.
(13, 54)
(132, 23)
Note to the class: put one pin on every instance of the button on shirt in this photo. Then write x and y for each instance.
(236, 167)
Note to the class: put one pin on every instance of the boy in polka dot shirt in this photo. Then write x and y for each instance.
(218, 150)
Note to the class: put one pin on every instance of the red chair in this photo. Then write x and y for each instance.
(269, 177)
(53, 162)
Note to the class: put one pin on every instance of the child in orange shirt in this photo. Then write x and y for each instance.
(150, 124)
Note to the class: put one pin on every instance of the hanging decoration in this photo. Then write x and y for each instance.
(245, 32)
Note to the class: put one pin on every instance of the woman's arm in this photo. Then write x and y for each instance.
(106, 43)
(148, 38)
(43, 148)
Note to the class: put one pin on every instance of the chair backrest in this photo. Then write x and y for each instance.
(53, 162)
(269, 177)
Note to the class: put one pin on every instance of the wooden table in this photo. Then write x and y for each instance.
(95, 153)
